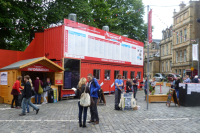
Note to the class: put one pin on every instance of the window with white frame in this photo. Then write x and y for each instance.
(176, 37)
(96, 74)
(180, 71)
(167, 49)
(162, 66)
(181, 56)
(180, 36)
(170, 65)
(176, 56)
(171, 48)
(185, 55)
(163, 50)
(185, 34)
(175, 71)
(153, 47)
(166, 66)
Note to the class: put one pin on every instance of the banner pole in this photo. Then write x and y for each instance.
(147, 57)
(198, 54)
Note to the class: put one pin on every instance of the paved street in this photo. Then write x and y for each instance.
(61, 117)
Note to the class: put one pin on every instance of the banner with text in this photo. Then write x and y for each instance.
(195, 52)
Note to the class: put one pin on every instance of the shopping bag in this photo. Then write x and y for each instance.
(40, 90)
(85, 99)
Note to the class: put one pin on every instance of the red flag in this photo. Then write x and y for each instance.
(150, 26)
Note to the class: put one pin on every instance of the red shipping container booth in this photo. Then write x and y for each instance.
(80, 50)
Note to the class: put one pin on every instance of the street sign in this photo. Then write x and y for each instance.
(192, 68)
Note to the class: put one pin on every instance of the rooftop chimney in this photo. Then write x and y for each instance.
(182, 5)
(174, 12)
(106, 28)
(72, 17)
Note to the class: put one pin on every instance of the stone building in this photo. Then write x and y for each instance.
(185, 27)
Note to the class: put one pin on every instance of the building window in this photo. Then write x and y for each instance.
(179, 71)
(107, 74)
(166, 66)
(171, 48)
(132, 74)
(96, 74)
(125, 73)
(176, 37)
(163, 50)
(185, 55)
(139, 75)
(170, 65)
(167, 49)
(185, 34)
(153, 47)
(176, 56)
(162, 66)
(115, 74)
(175, 71)
(180, 36)
(183, 72)
(181, 56)
(150, 66)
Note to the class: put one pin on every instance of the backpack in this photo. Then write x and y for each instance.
(85, 99)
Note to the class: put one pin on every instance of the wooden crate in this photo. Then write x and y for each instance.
(158, 98)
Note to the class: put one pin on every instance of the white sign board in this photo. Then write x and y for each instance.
(195, 52)
(4, 78)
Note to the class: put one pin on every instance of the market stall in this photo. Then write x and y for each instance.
(36, 67)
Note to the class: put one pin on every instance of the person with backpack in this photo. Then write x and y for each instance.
(118, 90)
(80, 90)
(36, 85)
(94, 89)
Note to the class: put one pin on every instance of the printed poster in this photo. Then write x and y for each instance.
(4, 78)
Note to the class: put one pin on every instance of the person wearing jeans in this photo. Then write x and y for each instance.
(135, 86)
(80, 90)
(94, 89)
(36, 86)
(27, 97)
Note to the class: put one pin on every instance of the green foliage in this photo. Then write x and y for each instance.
(150, 88)
(167, 80)
(119, 15)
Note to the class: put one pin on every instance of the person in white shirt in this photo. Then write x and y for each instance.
(153, 83)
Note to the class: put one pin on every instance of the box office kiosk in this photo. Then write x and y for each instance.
(37, 67)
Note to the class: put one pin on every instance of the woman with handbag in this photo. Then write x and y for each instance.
(45, 87)
(15, 92)
(82, 89)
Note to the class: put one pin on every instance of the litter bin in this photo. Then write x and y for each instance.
(50, 96)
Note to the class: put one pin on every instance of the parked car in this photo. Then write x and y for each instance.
(159, 77)
(172, 75)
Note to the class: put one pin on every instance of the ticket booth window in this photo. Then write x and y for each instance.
(107, 75)
(96, 74)
(132, 75)
(125, 74)
(115, 74)
(139, 75)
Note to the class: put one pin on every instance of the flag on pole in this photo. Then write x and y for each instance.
(150, 26)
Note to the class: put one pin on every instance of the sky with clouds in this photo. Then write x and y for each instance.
(164, 10)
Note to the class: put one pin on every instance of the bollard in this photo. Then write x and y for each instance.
(160, 89)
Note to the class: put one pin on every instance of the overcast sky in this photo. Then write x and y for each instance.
(164, 13)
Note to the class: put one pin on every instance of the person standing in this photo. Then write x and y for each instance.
(187, 80)
(94, 89)
(195, 80)
(123, 79)
(27, 97)
(173, 83)
(81, 88)
(27, 106)
(177, 87)
(16, 91)
(153, 83)
(135, 86)
(118, 90)
(36, 84)
(128, 86)
(44, 94)
(145, 88)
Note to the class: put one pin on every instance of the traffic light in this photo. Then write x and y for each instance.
(198, 20)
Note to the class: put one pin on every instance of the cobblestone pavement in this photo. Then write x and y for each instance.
(62, 117)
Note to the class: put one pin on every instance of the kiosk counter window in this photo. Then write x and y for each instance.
(125, 73)
(96, 74)
(132, 74)
(115, 74)
(107, 75)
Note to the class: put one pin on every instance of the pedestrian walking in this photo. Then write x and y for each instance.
(27, 97)
(44, 94)
(36, 84)
(177, 87)
(94, 89)
(195, 80)
(118, 90)
(135, 86)
(16, 91)
(80, 89)
(27, 106)
(145, 88)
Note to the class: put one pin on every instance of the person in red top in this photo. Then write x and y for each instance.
(16, 91)
(36, 86)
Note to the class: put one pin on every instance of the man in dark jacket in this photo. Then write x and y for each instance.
(145, 88)
(94, 89)
(128, 86)
(195, 80)
(36, 84)
(27, 97)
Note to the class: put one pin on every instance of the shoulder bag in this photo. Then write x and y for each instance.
(85, 99)
(40, 90)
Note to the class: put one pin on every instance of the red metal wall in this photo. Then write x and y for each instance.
(54, 42)
(87, 68)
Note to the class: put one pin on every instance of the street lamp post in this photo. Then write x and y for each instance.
(198, 20)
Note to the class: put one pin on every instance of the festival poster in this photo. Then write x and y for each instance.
(4, 78)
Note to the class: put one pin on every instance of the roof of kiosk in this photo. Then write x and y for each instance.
(41, 60)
